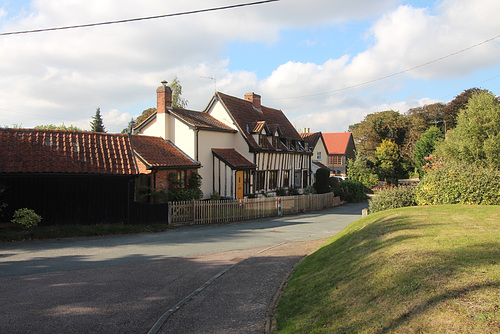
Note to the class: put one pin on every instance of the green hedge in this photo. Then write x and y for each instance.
(459, 183)
(392, 198)
(350, 191)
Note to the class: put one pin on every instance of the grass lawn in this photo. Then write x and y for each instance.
(69, 231)
(433, 269)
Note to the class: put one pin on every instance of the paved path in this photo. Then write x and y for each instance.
(127, 284)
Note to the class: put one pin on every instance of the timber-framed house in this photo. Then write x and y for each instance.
(244, 148)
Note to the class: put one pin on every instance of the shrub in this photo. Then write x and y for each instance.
(309, 190)
(280, 192)
(351, 191)
(321, 185)
(392, 198)
(26, 218)
(293, 191)
(215, 196)
(459, 183)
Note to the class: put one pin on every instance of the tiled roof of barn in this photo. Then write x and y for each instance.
(71, 152)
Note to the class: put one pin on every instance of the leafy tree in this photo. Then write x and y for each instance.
(58, 127)
(177, 100)
(377, 127)
(476, 138)
(362, 170)
(425, 146)
(452, 109)
(97, 125)
(388, 162)
(420, 119)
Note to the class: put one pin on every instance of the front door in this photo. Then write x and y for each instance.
(239, 184)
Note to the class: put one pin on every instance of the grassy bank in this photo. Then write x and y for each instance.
(422, 269)
(12, 233)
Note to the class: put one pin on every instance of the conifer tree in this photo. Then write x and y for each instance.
(97, 125)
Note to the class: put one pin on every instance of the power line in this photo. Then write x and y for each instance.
(139, 19)
(390, 75)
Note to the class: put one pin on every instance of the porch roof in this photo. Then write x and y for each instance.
(233, 159)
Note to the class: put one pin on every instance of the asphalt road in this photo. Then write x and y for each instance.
(201, 279)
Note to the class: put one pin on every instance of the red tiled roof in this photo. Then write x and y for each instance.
(155, 152)
(336, 143)
(57, 151)
(200, 120)
(232, 158)
(246, 116)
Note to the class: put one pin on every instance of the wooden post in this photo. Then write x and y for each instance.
(193, 211)
(169, 213)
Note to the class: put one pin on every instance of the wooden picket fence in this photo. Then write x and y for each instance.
(224, 211)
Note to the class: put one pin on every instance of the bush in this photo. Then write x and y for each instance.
(392, 198)
(293, 191)
(26, 218)
(459, 183)
(280, 192)
(184, 194)
(321, 185)
(350, 191)
(309, 190)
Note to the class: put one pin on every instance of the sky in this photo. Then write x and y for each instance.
(325, 63)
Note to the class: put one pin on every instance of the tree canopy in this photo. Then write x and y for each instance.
(58, 127)
(177, 100)
(476, 138)
(377, 127)
(425, 146)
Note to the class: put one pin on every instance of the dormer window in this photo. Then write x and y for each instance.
(261, 140)
(275, 142)
(306, 145)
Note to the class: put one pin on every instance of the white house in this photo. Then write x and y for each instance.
(319, 150)
(244, 148)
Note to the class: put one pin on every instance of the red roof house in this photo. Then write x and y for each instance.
(340, 147)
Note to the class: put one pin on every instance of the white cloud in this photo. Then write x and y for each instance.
(63, 76)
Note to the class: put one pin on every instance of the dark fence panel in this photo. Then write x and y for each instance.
(70, 199)
(146, 213)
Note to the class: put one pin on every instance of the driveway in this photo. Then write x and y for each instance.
(203, 279)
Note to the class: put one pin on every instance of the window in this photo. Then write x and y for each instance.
(304, 179)
(335, 160)
(318, 155)
(275, 142)
(306, 145)
(260, 177)
(286, 178)
(181, 178)
(273, 179)
(297, 180)
(246, 182)
(261, 140)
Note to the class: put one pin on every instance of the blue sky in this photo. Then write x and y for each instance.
(310, 59)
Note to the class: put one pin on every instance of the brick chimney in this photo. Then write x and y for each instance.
(163, 98)
(254, 98)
